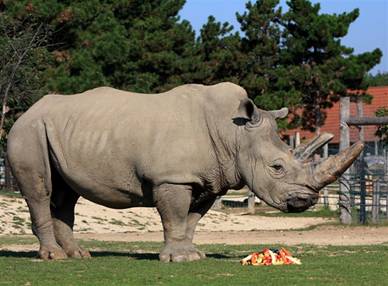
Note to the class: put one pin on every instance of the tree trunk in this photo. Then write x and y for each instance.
(344, 196)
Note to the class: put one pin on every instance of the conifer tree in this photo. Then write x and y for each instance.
(321, 68)
(135, 45)
(220, 53)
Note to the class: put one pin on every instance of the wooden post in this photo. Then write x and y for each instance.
(376, 202)
(363, 182)
(325, 190)
(367, 120)
(217, 204)
(297, 139)
(386, 205)
(292, 141)
(360, 113)
(251, 203)
(325, 198)
(376, 147)
(361, 169)
(326, 151)
(344, 196)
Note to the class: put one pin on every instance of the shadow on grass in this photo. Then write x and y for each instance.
(20, 254)
(98, 254)
(134, 255)
(148, 255)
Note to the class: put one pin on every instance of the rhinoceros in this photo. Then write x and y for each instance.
(176, 151)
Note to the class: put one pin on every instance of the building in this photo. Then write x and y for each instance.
(380, 99)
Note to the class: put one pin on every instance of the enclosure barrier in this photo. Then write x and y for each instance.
(368, 195)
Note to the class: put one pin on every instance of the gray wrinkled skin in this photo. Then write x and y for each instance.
(176, 151)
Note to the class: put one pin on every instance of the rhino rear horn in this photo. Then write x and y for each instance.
(304, 151)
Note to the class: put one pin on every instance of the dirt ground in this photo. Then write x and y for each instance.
(93, 218)
(143, 224)
(321, 235)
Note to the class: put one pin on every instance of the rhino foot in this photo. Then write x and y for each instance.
(78, 253)
(51, 253)
(180, 252)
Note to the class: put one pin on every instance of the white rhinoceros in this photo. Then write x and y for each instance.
(176, 151)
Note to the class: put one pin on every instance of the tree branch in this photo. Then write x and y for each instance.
(13, 73)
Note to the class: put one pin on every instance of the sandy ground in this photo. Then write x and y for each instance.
(322, 235)
(143, 224)
(92, 218)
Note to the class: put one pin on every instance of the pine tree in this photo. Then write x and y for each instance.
(292, 59)
(219, 53)
(379, 79)
(321, 68)
(260, 44)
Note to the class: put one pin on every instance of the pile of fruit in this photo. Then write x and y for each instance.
(270, 257)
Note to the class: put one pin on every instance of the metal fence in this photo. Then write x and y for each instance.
(367, 183)
(2, 173)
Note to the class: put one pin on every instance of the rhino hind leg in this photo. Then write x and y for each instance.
(30, 166)
(173, 203)
(63, 201)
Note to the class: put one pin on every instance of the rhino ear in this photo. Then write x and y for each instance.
(248, 110)
(281, 113)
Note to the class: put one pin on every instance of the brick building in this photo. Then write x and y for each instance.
(380, 99)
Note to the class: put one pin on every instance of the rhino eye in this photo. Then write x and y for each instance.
(277, 169)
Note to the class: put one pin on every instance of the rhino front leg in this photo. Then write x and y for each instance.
(173, 204)
(194, 216)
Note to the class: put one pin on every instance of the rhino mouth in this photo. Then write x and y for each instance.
(300, 201)
(296, 200)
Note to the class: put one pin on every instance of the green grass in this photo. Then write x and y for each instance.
(9, 194)
(17, 239)
(136, 264)
(322, 212)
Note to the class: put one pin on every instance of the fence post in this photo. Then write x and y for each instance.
(292, 141)
(217, 204)
(376, 202)
(325, 198)
(297, 139)
(251, 203)
(363, 179)
(386, 204)
(344, 194)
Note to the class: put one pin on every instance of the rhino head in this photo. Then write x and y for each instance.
(284, 178)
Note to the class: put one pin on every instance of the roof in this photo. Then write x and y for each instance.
(380, 99)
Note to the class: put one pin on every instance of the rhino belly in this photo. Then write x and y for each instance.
(105, 194)
(105, 189)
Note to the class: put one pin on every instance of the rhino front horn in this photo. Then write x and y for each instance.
(330, 169)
